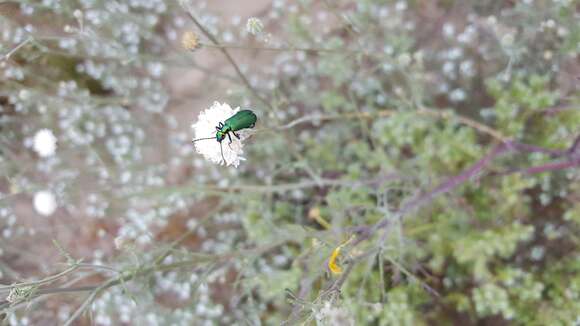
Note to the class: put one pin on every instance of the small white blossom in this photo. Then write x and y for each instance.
(330, 315)
(254, 26)
(122, 242)
(404, 59)
(448, 30)
(458, 95)
(44, 203)
(507, 39)
(205, 127)
(44, 143)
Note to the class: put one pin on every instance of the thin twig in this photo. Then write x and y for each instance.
(230, 59)
(447, 115)
(47, 280)
(18, 47)
(94, 266)
(184, 236)
(125, 277)
(83, 306)
(413, 277)
(279, 188)
(279, 49)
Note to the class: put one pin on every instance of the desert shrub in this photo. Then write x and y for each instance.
(434, 144)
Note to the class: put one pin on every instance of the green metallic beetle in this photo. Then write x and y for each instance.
(244, 119)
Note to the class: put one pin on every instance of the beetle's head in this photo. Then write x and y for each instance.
(219, 136)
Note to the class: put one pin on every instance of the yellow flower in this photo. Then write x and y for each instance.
(190, 41)
(332, 265)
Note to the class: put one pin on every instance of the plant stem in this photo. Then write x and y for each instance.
(230, 59)
(18, 47)
(279, 49)
(447, 115)
(47, 280)
(279, 188)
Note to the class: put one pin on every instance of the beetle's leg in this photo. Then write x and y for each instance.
(217, 128)
(230, 143)
(237, 136)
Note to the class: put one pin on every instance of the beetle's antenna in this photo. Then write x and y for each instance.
(193, 141)
(222, 151)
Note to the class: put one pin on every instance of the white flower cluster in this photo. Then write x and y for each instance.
(44, 203)
(205, 127)
(44, 143)
(332, 315)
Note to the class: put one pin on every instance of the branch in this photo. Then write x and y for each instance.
(446, 186)
(47, 280)
(230, 59)
(18, 47)
(548, 167)
(131, 275)
(446, 115)
(279, 188)
(280, 49)
(365, 232)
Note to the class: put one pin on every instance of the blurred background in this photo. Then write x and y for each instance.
(414, 163)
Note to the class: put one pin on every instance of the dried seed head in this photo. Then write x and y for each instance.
(190, 41)
(254, 26)
(17, 294)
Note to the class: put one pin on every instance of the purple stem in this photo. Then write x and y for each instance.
(553, 166)
(365, 232)
(575, 148)
(521, 147)
(447, 185)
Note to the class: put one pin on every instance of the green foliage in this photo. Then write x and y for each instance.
(519, 101)
(476, 252)
(484, 248)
